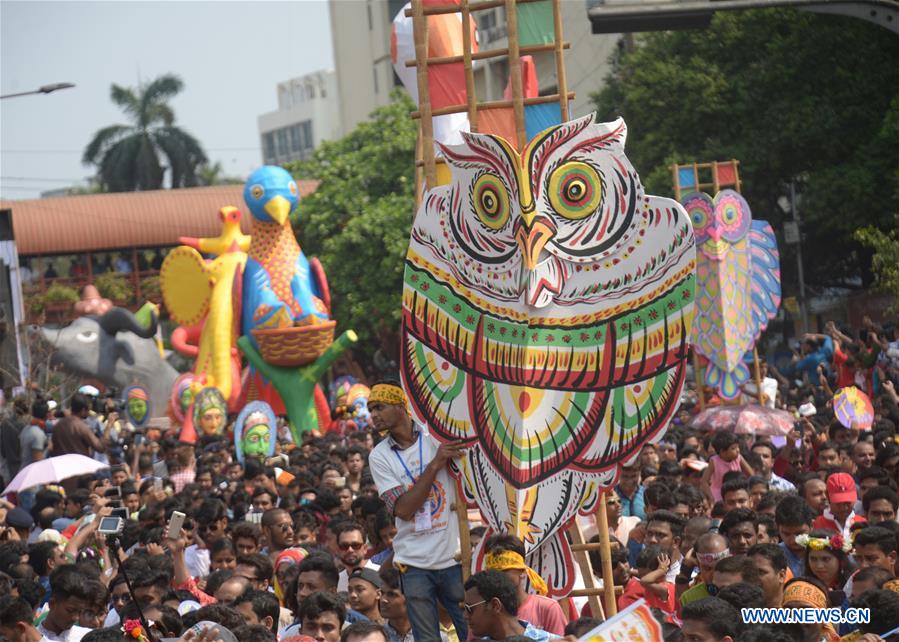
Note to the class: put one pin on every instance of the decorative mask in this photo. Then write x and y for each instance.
(137, 408)
(254, 432)
(210, 411)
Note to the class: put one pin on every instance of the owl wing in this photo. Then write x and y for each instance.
(765, 275)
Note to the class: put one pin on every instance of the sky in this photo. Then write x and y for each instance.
(230, 55)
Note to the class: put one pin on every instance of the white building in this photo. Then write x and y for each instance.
(306, 115)
(360, 34)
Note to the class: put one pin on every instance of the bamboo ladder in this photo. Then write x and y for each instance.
(701, 170)
(426, 178)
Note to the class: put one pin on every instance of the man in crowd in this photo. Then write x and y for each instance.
(506, 553)
(771, 563)
(766, 454)
(709, 549)
(364, 594)
(794, 518)
(351, 551)
(665, 530)
(740, 527)
(491, 605)
(409, 469)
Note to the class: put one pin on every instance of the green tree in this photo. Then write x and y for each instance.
(358, 219)
(792, 95)
(127, 157)
(885, 261)
(214, 174)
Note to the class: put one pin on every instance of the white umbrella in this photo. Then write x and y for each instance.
(53, 470)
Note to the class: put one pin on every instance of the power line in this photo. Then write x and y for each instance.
(80, 151)
(42, 180)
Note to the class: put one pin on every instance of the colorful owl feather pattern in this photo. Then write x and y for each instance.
(737, 285)
(547, 306)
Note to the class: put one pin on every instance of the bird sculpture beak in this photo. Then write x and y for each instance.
(278, 208)
(533, 233)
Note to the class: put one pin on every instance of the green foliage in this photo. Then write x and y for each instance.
(127, 157)
(791, 95)
(885, 262)
(59, 293)
(151, 289)
(357, 222)
(115, 287)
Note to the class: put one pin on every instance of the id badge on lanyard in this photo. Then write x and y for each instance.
(423, 514)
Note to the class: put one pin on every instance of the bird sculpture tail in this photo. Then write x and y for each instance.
(728, 384)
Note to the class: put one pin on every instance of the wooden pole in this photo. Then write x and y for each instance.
(466, 65)
(675, 179)
(515, 73)
(461, 509)
(605, 556)
(579, 549)
(419, 174)
(420, 32)
(493, 104)
(475, 6)
(560, 61)
(758, 375)
(490, 53)
(697, 373)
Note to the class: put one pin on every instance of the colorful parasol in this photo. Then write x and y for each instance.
(853, 408)
(750, 419)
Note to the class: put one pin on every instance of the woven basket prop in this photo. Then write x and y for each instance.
(295, 346)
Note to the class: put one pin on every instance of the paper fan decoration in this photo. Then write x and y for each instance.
(853, 408)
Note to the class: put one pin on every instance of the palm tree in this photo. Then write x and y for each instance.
(127, 157)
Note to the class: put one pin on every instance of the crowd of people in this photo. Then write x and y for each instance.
(334, 538)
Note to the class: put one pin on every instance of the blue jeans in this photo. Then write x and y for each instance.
(422, 588)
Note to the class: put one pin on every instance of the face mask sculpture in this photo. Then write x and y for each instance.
(181, 397)
(254, 432)
(547, 305)
(137, 409)
(210, 411)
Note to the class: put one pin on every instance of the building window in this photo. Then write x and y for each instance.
(295, 142)
(268, 146)
(281, 139)
(306, 129)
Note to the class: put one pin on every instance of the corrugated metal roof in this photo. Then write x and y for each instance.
(75, 224)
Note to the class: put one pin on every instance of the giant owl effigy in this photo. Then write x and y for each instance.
(547, 306)
(737, 285)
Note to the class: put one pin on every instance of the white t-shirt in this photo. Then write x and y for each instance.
(769, 390)
(73, 634)
(434, 548)
(197, 560)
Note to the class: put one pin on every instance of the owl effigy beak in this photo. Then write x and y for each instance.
(533, 233)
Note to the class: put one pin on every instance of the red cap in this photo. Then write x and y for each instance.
(841, 488)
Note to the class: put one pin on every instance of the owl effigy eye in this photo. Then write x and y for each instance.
(575, 190)
(491, 201)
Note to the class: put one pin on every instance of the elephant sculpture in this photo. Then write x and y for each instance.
(116, 349)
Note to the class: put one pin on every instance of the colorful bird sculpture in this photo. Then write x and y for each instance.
(737, 284)
(280, 289)
(230, 240)
(546, 311)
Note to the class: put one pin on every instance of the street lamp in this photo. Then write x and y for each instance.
(45, 89)
(793, 236)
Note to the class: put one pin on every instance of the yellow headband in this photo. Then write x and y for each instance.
(387, 393)
(805, 593)
(510, 560)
